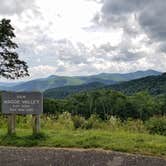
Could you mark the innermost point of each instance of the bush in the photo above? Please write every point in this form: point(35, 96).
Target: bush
point(65, 120)
point(134, 125)
point(3, 121)
point(78, 121)
point(94, 122)
point(24, 121)
point(114, 122)
point(156, 125)
point(47, 121)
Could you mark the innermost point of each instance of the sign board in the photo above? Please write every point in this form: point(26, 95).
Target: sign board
point(22, 103)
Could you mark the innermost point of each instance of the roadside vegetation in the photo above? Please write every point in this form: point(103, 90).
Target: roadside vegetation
point(133, 136)
point(96, 119)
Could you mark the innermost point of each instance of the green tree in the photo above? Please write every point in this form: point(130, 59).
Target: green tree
point(162, 104)
point(11, 66)
point(145, 105)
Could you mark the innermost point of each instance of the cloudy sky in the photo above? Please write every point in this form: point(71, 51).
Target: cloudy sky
point(84, 37)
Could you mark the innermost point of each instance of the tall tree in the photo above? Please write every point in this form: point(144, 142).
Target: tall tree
point(11, 67)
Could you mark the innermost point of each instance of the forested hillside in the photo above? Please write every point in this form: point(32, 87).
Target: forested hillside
point(154, 85)
point(65, 91)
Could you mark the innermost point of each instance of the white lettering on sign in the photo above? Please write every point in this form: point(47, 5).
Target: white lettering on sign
point(12, 101)
point(12, 109)
point(30, 101)
point(21, 97)
point(21, 101)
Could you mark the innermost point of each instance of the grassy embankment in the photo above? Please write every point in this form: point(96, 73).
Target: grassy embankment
point(130, 137)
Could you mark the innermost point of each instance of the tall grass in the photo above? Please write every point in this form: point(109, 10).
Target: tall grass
point(68, 122)
point(75, 131)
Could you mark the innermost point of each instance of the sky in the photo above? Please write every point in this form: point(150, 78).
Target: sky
point(86, 37)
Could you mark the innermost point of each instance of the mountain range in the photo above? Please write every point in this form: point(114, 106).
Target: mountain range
point(55, 81)
point(154, 85)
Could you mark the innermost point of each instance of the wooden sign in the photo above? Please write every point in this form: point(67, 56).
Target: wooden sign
point(22, 103)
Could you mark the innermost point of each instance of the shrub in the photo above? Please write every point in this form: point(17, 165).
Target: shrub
point(65, 120)
point(93, 122)
point(3, 121)
point(23, 121)
point(157, 125)
point(114, 122)
point(134, 125)
point(47, 121)
point(78, 121)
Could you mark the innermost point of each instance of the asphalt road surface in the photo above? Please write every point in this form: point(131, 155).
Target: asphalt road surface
point(72, 157)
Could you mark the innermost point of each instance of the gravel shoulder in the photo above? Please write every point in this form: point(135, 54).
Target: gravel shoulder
point(11, 156)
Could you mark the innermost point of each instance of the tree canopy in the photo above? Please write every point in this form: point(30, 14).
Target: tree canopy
point(11, 67)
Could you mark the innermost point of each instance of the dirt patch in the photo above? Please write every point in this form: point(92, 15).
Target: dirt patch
point(72, 157)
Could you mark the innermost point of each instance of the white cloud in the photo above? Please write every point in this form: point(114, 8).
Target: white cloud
point(11, 7)
point(80, 37)
point(42, 71)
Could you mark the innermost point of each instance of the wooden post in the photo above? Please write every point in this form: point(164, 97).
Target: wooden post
point(36, 124)
point(11, 124)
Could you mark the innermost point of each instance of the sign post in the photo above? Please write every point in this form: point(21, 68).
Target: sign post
point(36, 123)
point(22, 103)
point(11, 124)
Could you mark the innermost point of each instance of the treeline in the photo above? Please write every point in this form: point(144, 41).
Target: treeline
point(107, 103)
point(154, 85)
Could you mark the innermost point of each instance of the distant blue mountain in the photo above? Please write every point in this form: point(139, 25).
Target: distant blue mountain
point(8, 85)
point(55, 81)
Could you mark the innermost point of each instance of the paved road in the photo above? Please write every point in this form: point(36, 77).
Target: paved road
point(72, 157)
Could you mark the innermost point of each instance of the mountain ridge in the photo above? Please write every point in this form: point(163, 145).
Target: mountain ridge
point(55, 81)
point(154, 85)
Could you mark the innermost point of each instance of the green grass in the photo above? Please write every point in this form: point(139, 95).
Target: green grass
point(130, 136)
point(113, 140)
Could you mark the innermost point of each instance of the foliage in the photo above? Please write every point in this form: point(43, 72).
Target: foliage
point(10, 64)
point(114, 123)
point(51, 106)
point(157, 125)
point(65, 120)
point(127, 136)
point(3, 121)
point(134, 126)
point(94, 122)
point(107, 103)
point(24, 121)
point(62, 92)
point(110, 103)
point(154, 85)
point(144, 105)
point(78, 121)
